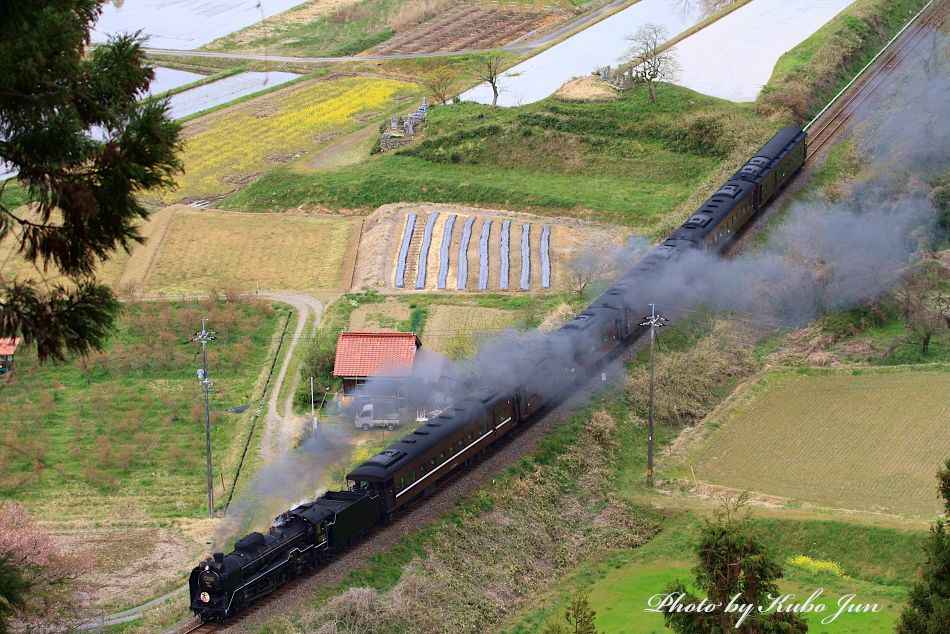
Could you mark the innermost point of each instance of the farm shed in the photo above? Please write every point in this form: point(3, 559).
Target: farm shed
point(7, 351)
point(386, 357)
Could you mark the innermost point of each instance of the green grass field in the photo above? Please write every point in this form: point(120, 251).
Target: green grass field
point(625, 161)
point(878, 563)
point(118, 436)
point(808, 75)
point(857, 440)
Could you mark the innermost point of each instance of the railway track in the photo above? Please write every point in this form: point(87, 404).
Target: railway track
point(927, 22)
point(836, 114)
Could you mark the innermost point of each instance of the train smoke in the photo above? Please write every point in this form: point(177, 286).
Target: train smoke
point(823, 256)
point(284, 480)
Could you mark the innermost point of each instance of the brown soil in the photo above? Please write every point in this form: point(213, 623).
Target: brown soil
point(383, 231)
point(468, 27)
point(282, 157)
point(586, 89)
point(164, 553)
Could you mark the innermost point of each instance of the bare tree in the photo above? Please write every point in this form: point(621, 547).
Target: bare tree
point(705, 8)
point(924, 300)
point(588, 264)
point(488, 71)
point(649, 61)
point(439, 82)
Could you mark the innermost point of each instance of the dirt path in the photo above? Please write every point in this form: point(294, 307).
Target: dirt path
point(349, 150)
point(281, 426)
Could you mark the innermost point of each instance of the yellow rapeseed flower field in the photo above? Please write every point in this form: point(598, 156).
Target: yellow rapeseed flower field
point(817, 565)
point(228, 149)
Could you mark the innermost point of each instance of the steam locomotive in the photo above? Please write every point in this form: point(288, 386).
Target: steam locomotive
point(412, 467)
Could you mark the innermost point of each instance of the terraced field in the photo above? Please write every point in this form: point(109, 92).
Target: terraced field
point(317, 252)
point(235, 146)
point(868, 442)
point(450, 248)
point(470, 26)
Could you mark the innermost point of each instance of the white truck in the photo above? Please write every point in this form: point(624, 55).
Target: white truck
point(371, 417)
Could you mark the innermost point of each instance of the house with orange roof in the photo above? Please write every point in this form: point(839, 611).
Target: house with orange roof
point(385, 357)
point(7, 351)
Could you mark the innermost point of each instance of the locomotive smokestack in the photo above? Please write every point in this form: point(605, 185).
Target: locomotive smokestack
point(219, 557)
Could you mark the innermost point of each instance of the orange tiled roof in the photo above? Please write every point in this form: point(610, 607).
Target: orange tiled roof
point(375, 353)
point(8, 346)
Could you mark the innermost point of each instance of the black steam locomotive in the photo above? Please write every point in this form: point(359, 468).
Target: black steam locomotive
point(412, 466)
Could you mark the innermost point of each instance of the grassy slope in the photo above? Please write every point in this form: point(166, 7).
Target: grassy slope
point(121, 432)
point(879, 561)
point(625, 161)
point(806, 77)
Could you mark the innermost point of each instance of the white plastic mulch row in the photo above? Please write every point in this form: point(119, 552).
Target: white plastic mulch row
point(545, 256)
point(424, 251)
point(224, 90)
point(168, 78)
point(184, 24)
point(463, 253)
point(732, 58)
point(503, 253)
point(444, 251)
point(525, 257)
point(483, 256)
point(404, 251)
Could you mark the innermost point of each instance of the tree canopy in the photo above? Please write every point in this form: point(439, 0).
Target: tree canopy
point(734, 565)
point(83, 145)
point(928, 604)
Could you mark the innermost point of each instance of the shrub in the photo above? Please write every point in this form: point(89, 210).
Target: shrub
point(685, 381)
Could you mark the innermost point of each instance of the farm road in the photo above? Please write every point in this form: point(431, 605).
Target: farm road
point(580, 23)
point(279, 427)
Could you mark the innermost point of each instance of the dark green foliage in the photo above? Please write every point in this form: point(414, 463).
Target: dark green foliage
point(83, 147)
point(928, 605)
point(733, 560)
point(13, 589)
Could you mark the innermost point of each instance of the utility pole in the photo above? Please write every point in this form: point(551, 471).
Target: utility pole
point(313, 415)
point(654, 321)
point(204, 337)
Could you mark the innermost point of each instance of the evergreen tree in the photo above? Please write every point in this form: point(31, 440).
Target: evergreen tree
point(928, 604)
point(733, 561)
point(83, 146)
point(578, 619)
point(13, 589)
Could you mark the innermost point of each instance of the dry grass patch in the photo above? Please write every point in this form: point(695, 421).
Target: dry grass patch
point(382, 316)
point(586, 89)
point(452, 330)
point(867, 442)
point(203, 249)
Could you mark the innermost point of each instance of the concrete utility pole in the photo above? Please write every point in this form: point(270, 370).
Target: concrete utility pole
point(313, 415)
point(204, 337)
point(654, 321)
